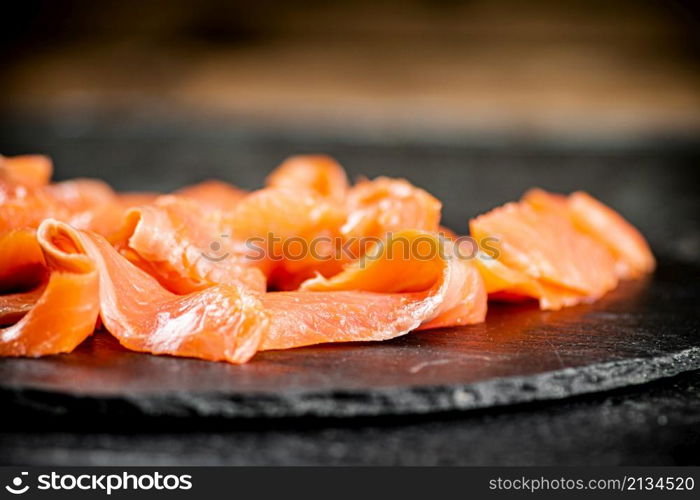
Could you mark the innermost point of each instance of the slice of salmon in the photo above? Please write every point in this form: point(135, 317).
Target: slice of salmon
point(25, 206)
point(179, 242)
point(26, 170)
point(309, 221)
point(541, 254)
point(410, 261)
point(633, 257)
point(218, 323)
point(292, 234)
point(93, 205)
point(318, 174)
point(28, 198)
point(510, 285)
point(60, 315)
point(283, 213)
point(381, 297)
point(213, 194)
point(90, 204)
point(465, 301)
point(382, 205)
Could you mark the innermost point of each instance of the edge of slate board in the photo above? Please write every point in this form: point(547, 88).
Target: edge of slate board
point(551, 385)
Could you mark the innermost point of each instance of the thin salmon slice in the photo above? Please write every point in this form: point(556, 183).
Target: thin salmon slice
point(25, 206)
point(633, 257)
point(26, 170)
point(63, 313)
point(22, 260)
point(541, 254)
point(213, 194)
point(218, 323)
point(562, 250)
point(14, 306)
point(292, 233)
point(318, 174)
point(412, 261)
point(382, 205)
point(381, 297)
point(28, 198)
point(173, 240)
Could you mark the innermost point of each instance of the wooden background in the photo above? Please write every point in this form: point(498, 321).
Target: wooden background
point(574, 70)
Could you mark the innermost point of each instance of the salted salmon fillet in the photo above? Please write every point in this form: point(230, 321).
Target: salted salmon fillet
point(560, 250)
point(218, 273)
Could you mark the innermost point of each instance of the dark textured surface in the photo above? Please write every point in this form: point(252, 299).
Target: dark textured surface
point(657, 424)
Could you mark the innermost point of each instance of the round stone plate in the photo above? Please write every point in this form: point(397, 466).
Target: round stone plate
point(641, 332)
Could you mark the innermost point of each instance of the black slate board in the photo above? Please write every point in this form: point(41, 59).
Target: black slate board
point(641, 332)
point(637, 334)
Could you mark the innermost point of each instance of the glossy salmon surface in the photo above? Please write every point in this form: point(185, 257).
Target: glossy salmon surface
point(560, 250)
point(218, 273)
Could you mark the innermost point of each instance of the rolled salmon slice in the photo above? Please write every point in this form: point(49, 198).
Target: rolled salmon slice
point(387, 294)
point(55, 318)
point(218, 323)
point(416, 261)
